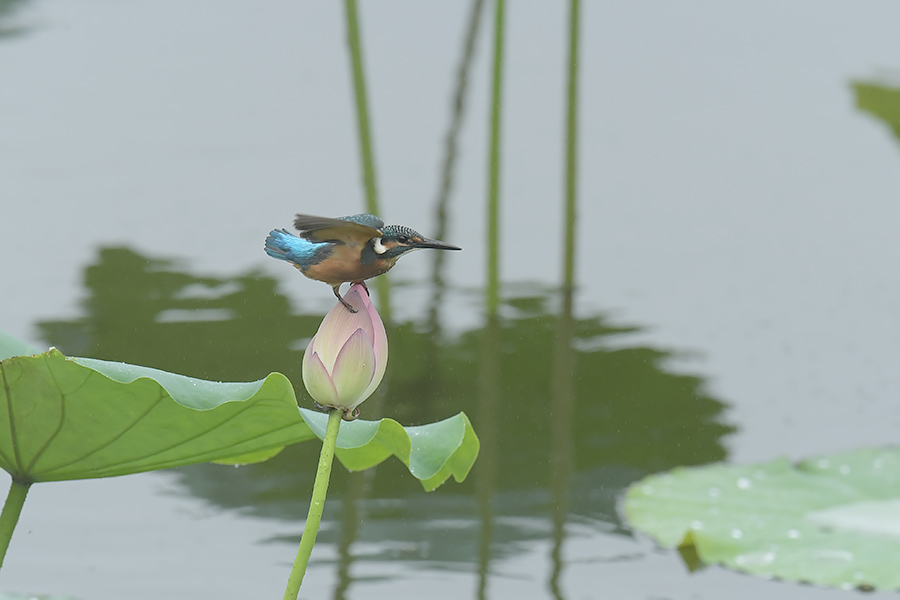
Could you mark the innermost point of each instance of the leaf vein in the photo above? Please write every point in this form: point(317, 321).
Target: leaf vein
point(12, 421)
point(59, 425)
point(211, 453)
point(163, 395)
point(112, 440)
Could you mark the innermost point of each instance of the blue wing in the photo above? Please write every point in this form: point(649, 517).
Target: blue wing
point(355, 230)
point(365, 220)
point(284, 245)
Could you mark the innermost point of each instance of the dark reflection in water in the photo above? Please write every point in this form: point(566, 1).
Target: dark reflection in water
point(569, 436)
point(146, 311)
point(9, 10)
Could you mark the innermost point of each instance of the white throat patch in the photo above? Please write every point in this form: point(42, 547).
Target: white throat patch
point(378, 246)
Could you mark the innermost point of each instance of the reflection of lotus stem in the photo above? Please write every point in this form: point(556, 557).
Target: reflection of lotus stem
point(10, 516)
point(316, 505)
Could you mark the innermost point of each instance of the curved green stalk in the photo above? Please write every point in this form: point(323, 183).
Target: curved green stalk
point(442, 204)
point(9, 518)
point(316, 505)
point(367, 155)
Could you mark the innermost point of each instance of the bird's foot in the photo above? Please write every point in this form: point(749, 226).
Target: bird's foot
point(347, 305)
point(337, 294)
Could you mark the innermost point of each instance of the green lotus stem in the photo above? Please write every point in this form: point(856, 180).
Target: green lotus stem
point(362, 107)
point(571, 149)
point(9, 518)
point(493, 217)
point(316, 505)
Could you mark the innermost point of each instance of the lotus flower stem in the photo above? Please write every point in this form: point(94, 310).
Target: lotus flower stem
point(9, 518)
point(316, 505)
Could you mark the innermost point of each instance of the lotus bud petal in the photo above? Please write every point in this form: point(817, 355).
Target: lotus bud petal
point(346, 359)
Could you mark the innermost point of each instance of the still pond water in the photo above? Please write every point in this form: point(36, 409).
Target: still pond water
point(736, 255)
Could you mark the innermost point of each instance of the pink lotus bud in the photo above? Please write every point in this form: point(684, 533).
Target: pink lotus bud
point(346, 359)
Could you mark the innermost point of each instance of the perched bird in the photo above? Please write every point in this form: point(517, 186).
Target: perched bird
point(347, 249)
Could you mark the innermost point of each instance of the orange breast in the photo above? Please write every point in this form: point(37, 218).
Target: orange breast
point(343, 266)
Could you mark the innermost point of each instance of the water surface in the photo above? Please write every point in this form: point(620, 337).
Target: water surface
point(735, 251)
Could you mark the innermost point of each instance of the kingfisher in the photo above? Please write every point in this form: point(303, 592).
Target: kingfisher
point(346, 249)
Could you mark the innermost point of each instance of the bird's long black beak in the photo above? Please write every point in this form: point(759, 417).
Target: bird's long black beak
point(437, 244)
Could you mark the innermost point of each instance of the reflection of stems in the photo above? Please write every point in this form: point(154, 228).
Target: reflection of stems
point(562, 451)
point(365, 137)
point(357, 487)
point(490, 396)
point(316, 505)
point(562, 447)
point(493, 266)
point(10, 516)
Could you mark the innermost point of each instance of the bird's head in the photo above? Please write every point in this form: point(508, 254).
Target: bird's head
point(397, 240)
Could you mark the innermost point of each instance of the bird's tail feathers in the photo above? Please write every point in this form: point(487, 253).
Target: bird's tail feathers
point(277, 244)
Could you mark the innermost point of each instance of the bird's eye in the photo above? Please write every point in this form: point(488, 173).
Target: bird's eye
point(403, 239)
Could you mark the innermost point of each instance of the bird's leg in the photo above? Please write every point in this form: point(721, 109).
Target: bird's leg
point(365, 287)
point(337, 293)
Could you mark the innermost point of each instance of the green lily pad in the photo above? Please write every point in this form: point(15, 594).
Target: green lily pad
point(432, 452)
point(76, 418)
point(831, 521)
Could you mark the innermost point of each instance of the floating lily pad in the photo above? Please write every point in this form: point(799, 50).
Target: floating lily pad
point(76, 418)
point(831, 521)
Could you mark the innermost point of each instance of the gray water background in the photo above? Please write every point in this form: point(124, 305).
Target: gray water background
point(733, 203)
